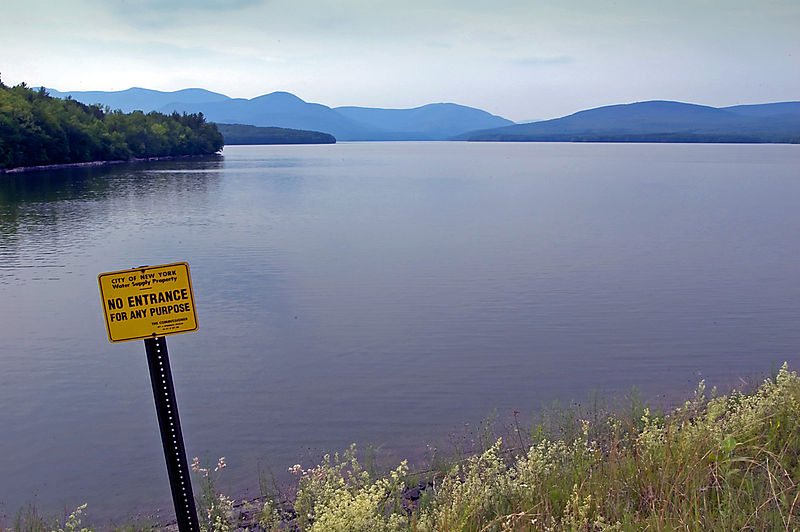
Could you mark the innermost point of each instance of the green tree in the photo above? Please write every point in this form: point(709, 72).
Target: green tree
point(36, 129)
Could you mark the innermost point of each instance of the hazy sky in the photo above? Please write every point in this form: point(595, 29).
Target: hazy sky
point(519, 59)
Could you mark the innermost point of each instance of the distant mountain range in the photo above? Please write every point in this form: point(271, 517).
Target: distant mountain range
point(439, 121)
point(651, 121)
point(660, 121)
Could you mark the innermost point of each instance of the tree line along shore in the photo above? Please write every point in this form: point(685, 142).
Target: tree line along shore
point(39, 130)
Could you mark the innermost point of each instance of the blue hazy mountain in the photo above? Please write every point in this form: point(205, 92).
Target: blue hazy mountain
point(660, 121)
point(766, 109)
point(430, 122)
point(143, 99)
point(285, 110)
point(280, 109)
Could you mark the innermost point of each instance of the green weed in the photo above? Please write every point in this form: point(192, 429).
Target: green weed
point(718, 462)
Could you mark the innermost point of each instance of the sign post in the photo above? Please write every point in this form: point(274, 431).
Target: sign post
point(171, 436)
point(148, 303)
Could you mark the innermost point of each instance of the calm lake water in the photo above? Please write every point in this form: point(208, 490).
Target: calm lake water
point(380, 293)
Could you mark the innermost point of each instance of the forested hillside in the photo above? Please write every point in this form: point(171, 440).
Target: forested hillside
point(244, 134)
point(36, 129)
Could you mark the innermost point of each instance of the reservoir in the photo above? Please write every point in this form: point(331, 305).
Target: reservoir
point(388, 294)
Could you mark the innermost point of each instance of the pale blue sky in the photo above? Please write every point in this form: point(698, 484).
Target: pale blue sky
point(519, 59)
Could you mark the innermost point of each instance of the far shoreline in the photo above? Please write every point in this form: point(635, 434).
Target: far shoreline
point(98, 164)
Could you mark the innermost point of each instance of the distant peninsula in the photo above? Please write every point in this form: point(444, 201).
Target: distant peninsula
point(39, 130)
point(245, 134)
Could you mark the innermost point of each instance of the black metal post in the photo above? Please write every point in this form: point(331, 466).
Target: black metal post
point(171, 435)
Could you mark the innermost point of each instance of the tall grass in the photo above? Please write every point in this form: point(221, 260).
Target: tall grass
point(718, 463)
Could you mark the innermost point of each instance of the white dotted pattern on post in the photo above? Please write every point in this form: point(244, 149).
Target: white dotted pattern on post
point(171, 420)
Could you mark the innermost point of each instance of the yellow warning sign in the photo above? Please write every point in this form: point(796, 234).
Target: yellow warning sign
point(147, 302)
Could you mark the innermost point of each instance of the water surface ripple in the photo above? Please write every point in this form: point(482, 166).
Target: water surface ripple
point(380, 293)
